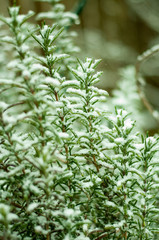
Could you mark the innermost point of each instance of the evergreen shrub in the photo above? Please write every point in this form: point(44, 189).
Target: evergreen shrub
point(69, 169)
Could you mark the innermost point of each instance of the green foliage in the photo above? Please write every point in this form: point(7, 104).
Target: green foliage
point(68, 168)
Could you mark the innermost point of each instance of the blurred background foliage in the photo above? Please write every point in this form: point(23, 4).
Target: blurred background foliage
point(117, 31)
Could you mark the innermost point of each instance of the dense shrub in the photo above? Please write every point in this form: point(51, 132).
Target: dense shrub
point(69, 169)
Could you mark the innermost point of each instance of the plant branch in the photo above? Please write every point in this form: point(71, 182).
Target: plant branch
point(142, 58)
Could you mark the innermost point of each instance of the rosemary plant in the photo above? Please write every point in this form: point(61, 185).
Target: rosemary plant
point(68, 168)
